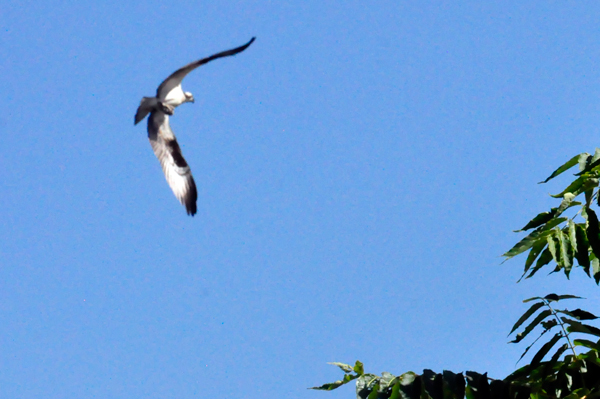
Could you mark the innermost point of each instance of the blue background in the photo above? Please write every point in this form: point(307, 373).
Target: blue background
point(360, 171)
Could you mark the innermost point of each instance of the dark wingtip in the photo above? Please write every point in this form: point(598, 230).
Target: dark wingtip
point(245, 46)
point(251, 41)
point(191, 198)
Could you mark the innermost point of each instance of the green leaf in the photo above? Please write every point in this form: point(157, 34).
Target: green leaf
point(582, 246)
point(556, 298)
point(359, 368)
point(572, 233)
point(477, 386)
point(545, 217)
point(541, 316)
point(346, 368)
point(410, 386)
point(396, 391)
point(554, 246)
point(566, 203)
point(575, 186)
point(386, 380)
point(587, 162)
point(539, 219)
point(550, 364)
point(547, 326)
point(533, 237)
point(499, 390)
point(563, 168)
point(579, 314)
point(566, 252)
point(535, 298)
point(534, 308)
point(545, 258)
point(596, 269)
point(454, 385)
point(575, 326)
point(552, 297)
point(433, 384)
point(592, 231)
point(544, 350)
point(374, 392)
point(536, 249)
point(365, 384)
point(586, 343)
point(584, 160)
point(331, 386)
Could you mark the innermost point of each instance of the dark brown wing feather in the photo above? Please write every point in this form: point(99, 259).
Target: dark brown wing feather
point(176, 77)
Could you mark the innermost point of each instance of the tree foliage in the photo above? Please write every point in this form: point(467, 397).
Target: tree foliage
point(567, 361)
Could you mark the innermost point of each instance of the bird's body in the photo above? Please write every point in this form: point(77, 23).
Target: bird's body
point(169, 96)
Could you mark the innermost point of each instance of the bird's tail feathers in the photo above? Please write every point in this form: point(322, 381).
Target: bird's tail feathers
point(146, 106)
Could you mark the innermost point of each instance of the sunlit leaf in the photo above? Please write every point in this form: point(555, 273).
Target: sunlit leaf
point(554, 247)
point(576, 185)
point(410, 386)
point(346, 368)
point(584, 160)
point(581, 184)
point(572, 233)
point(587, 162)
point(359, 368)
point(596, 269)
point(365, 384)
point(533, 237)
point(566, 252)
point(395, 391)
point(586, 343)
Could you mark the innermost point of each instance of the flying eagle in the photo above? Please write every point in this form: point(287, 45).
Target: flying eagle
point(170, 95)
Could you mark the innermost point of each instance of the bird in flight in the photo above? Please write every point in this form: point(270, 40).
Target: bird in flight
point(169, 96)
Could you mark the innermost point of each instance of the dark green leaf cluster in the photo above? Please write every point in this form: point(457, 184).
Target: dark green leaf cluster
point(559, 238)
point(547, 374)
point(429, 385)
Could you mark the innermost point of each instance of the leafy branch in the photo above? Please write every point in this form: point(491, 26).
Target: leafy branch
point(563, 374)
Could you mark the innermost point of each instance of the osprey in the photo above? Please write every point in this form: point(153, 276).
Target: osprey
point(170, 95)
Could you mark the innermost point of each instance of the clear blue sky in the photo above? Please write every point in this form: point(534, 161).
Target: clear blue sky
point(360, 171)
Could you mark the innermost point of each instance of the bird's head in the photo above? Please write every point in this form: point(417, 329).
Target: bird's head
point(189, 98)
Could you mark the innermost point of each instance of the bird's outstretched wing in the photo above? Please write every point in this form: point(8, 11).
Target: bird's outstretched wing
point(176, 77)
point(177, 172)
